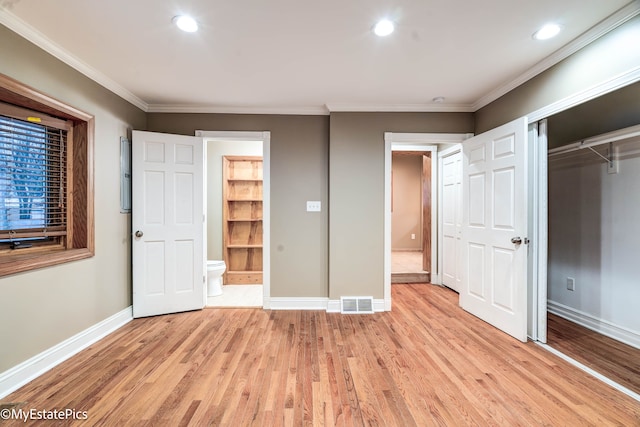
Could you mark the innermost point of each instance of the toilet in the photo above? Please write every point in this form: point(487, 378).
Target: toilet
point(214, 277)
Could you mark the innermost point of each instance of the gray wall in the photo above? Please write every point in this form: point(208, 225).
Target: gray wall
point(39, 309)
point(299, 172)
point(356, 186)
point(406, 203)
point(611, 55)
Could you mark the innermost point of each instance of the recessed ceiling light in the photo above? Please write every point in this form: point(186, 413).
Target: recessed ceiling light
point(383, 28)
point(186, 23)
point(547, 32)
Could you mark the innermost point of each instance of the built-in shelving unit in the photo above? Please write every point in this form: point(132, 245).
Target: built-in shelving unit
point(242, 219)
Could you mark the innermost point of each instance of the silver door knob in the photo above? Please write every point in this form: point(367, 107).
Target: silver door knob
point(139, 233)
point(516, 240)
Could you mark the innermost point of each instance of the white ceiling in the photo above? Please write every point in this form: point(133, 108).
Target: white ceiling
point(302, 56)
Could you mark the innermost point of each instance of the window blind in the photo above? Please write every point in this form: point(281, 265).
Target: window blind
point(32, 180)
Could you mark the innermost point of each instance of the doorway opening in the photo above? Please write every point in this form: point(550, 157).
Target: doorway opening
point(238, 232)
point(425, 143)
point(411, 217)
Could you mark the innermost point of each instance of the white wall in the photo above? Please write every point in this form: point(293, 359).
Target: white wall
point(593, 235)
point(215, 151)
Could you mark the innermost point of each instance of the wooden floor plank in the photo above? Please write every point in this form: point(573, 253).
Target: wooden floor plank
point(611, 358)
point(427, 362)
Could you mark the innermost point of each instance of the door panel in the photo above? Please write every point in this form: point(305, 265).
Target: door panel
point(167, 223)
point(495, 211)
point(451, 220)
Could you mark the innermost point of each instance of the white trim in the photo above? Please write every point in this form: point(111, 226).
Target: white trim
point(399, 108)
point(188, 108)
point(612, 22)
point(431, 138)
point(265, 138)
point(318, 303)
point(590, 371)
point(617, 82)
point(299, 303)
point(386, 286)
point(540, 226)
point(14, 378)
point(601, 326)
point(23, 29)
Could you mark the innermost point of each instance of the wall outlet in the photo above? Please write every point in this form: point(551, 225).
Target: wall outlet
point(413, 236)
point(314, 206)
point(571, 283)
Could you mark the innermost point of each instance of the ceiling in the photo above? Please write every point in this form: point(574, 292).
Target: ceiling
point(310, 57)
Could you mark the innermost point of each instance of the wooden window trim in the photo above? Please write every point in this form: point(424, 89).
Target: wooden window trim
point(80, 242)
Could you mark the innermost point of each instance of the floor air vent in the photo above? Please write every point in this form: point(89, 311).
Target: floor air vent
point(356, 305)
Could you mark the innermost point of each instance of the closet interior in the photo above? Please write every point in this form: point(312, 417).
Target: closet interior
point(593, 256)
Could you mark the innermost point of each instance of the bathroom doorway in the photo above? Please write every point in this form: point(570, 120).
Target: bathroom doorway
point(218, 146)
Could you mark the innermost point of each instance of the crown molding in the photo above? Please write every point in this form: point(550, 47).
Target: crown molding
point(192, 108)
point(21, 28)
point(400, 108)
point(620, 17)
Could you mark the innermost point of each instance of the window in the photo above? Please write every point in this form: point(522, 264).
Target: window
point(46, 180)
point(32, 179)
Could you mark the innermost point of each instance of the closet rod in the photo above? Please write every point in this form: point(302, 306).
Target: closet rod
point(605, 138)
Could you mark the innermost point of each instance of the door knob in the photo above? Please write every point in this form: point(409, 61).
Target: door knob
point(516, 240)
point(139, 233)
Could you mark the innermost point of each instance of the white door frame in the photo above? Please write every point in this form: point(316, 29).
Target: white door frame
point(265, 138)
point(394, 141)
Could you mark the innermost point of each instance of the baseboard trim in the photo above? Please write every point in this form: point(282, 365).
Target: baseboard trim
point(294, 303)
point(21, 374)
point(589, 321)
point(330, 306)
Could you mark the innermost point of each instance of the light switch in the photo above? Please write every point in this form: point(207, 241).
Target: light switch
point(314, 206)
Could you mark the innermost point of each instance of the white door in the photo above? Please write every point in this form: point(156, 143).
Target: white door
point(451, 220)
point(494, 223)
point(169, 263)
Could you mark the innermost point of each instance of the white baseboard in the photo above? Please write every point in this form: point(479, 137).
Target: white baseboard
point(331, 306)
point(589, 321)
point(294, 303)
point(21, 374)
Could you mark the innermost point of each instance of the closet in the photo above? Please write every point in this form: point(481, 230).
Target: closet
point(593, 270)
point(242, 219)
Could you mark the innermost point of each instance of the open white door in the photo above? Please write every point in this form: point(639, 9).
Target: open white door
point(169, 263)
point(451, 217)
point(494, 227)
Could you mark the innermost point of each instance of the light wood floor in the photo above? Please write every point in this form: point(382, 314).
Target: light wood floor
point(613, 359)
point(424, 363)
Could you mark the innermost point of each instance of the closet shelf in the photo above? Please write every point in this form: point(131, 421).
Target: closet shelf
point(245, 246)
point(243, 219)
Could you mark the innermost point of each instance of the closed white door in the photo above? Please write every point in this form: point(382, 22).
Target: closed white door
point(451, 220)
point(494, 223)
point(169, 263)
